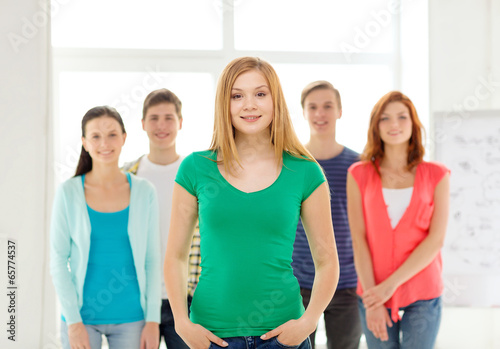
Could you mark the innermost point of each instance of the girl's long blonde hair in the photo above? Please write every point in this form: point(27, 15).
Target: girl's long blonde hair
point(283, 135)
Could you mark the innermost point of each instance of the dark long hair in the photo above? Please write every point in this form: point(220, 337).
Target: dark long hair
point(85, 162)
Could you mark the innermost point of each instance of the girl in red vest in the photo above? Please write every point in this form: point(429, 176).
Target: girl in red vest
point(398, 209)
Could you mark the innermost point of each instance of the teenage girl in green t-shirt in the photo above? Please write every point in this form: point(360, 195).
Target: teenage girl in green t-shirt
point(255, 172)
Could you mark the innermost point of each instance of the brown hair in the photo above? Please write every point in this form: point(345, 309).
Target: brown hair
point(374, 149)
point(319, 85)
point(85, 161)
point(162, 96)
point(283, 136)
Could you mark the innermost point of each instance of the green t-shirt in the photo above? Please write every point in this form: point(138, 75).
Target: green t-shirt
point(247, 286)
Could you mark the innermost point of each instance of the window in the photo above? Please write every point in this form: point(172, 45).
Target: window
point(147, 24)
point(116, 52)
point(313, 26)
point(126, 91)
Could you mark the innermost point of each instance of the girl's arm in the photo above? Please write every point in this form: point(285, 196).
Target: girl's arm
point(362, 255)
point(151, 331)
point(423, 254)
point(377, 319)
point(317, 221)
point(60, 251)
point(182, 224)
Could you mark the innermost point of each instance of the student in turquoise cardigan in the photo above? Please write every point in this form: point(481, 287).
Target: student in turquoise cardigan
point(104, 239)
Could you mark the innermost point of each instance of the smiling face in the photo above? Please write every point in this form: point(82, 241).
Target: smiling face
point(395, 125)
point(251, 104)
point(103, 139)
point(162, 123)
point(322, 111)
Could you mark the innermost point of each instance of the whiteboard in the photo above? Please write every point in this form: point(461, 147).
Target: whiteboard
point(469, 145)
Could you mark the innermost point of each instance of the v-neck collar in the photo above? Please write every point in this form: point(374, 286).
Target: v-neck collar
point(244, 193)
point(412, 199)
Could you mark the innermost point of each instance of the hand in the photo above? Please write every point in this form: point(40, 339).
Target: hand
point(150, 337)
point(377, 296)
point(292, 332)
point(196, 336)
point(78, 336)
point(377, 321)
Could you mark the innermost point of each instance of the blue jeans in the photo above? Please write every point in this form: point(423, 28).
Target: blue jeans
point(257, 343)
point(119, 336)
point(167, 327)
point(417, 329)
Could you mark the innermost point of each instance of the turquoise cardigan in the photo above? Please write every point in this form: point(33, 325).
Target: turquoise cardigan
point(70, 243)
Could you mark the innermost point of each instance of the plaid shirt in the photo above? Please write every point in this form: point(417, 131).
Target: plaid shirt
point(194, 269)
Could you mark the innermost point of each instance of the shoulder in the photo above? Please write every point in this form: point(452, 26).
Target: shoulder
point(132, 166)
point(200, 155)
point(69, 194)
point(70, 186)
point(204, 154)
point(363, 173)
point(296, 163)
point(71, 182)
point(360, 166)
point(350, 154)
point(434, 166)
point(196, 162)
point(303, 174)
point(141, 183)
point(297, 159)
point(198, 158)
point(434, 170)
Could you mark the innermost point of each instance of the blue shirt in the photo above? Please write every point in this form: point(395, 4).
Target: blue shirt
point(111, 292)
point(70, 246)
point(303, 265)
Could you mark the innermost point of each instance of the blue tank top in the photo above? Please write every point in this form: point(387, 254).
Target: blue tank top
point(111, 292)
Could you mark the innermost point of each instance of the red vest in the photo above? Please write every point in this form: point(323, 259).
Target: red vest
point(390, 247)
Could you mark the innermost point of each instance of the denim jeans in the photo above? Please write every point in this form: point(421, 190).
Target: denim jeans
point(119, 336)
point(167, 327)
point(417, 329)
point(342, 323)
point(257, 343)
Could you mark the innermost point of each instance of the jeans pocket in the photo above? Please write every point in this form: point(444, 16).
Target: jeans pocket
point(281, 345)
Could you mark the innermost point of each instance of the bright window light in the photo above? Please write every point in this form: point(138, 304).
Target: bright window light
point(314, 25)
point(360, 87)
point(126, 91)
point(146, 24)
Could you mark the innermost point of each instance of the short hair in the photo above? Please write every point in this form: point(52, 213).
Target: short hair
point(162, 96)
point(374, 149)
point(319, 85)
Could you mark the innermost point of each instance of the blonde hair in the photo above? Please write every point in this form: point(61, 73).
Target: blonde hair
point(282, 133)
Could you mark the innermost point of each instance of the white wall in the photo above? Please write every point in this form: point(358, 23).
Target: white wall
point(464, 63)
point(23, 179)
point(464, 51)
